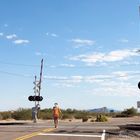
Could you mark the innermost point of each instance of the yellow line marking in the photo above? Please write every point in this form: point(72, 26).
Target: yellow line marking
point(27, 136)
point(34, 134)
point(48, 130)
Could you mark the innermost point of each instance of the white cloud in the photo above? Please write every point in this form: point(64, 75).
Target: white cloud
point(5, 25)
point(54, 35)
point(116, 89)
point(47, 34)
point(82, 42)
point(125, 91)
point(63, 85)
point(67, 65)
point(51, 34)
point(113, 84)
point(121, 75)
point(12, 36)
point(38, 53)
point(76, 79)
point(1, 34)
point(119, 55)
point(56, 77)
point(106, 80)
point(21, 41)
point(112, 56)
point(124, 40)
point(86, 79)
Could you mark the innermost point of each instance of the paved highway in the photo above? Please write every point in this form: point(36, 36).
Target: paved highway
point(45, 129)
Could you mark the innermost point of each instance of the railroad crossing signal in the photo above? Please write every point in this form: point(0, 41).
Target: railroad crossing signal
point(36, 97)
point(37, 88)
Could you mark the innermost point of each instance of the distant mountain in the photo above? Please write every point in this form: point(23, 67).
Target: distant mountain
point(102, 110)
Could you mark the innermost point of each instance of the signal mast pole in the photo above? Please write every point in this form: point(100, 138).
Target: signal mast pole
point(40, 77)
point(35, 89)
point(40, 80)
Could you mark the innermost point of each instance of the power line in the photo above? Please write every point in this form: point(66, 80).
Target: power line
point(16, 64)
point(55, 78)
point(63, 66)
point(16, 74)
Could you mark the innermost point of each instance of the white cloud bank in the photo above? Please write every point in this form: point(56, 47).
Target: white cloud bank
point(124, 90)
point(112, 56)
point(117, 75)
point(113, 84)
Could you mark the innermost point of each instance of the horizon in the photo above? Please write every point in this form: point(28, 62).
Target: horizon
point(67, 108)
point(90, 49)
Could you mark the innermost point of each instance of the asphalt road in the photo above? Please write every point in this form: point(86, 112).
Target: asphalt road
point(45, 129)
point(67, 130)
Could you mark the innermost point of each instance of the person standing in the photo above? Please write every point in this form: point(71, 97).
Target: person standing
point(56, 114)
point(35, 113)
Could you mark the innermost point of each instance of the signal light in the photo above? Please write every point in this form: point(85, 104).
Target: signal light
point(38, 98)
point(139, 85)
point(31, 98)
point(35, 98)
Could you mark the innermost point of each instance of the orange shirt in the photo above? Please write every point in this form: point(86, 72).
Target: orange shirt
point(56, 111)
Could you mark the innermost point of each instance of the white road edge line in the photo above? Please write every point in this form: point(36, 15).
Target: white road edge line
point(69, 135)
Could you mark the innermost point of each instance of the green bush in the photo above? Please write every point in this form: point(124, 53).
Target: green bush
point(101, 118)
point(92, 120)
point(128, 113)
point(66, 116)
point(85, 119)
point(78, 116)
point(6, 115)
point(26, 114)
point(45, 114)
point(22, 114)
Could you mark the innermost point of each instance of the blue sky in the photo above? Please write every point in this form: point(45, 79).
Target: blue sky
point(91, 52)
